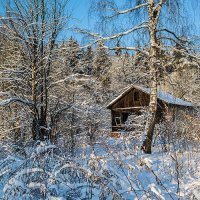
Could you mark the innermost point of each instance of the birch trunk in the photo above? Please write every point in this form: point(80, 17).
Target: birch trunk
point(154, 13)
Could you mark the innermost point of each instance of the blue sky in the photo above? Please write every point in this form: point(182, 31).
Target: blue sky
point(79, 10)
point(81, 19)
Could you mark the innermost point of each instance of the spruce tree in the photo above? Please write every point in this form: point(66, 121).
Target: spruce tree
point(72, 55)
point(102, 64)
point(87, 61)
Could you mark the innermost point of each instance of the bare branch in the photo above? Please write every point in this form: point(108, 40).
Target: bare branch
point(135, 28)
point(129, 49)
point(172, 33)
point(15, 99)
point(117, 12)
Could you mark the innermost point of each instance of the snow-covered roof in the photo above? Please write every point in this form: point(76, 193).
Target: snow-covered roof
point(164, 96)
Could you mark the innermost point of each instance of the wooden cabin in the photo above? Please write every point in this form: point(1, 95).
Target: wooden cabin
point(135, 98)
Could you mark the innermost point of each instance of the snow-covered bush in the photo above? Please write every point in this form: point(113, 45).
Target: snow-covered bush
point(109, 169)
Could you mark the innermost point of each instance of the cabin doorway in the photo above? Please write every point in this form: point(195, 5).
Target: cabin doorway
point(124, 117)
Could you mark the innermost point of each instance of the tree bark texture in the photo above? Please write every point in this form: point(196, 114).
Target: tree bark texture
point(154, 12)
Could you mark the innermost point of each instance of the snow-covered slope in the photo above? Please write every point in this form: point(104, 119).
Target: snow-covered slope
point(110, 169)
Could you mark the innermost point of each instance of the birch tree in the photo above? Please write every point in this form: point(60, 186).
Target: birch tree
point(151, 20)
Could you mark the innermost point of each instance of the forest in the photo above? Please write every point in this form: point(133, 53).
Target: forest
point(104, 110)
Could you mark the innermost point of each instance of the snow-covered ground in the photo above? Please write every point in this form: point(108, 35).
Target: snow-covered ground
point(109, 169)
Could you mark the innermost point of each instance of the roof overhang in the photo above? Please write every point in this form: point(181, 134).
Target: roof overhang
point(161, 95)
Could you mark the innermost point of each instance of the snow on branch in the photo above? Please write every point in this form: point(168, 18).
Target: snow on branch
point(15, 99)
point(135, 28)
point(113, 48)
point(129, 49)
point(117, 12)
point(112, 37)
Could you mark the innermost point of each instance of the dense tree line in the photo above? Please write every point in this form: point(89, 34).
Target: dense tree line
point(54, 126)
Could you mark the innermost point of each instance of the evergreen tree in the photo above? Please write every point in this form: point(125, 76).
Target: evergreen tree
point(87, 61)
point(72, 55)
point(102, 64)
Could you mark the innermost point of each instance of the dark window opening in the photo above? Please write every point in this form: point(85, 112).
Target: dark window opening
point(124, 117)
point(136, 96)
point(118, 120)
